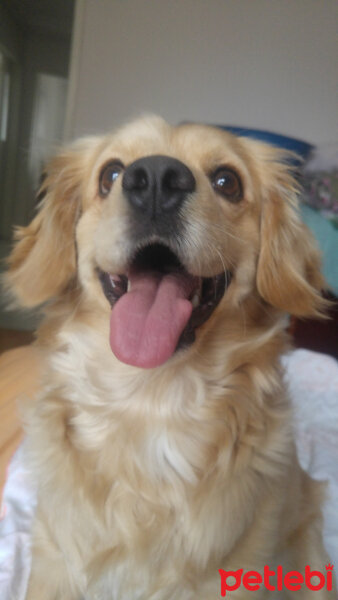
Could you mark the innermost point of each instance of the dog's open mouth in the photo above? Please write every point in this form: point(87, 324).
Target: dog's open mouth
point(157, 306)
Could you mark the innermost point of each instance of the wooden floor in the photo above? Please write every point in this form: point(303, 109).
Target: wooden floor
point(10, 338)
point(19, 368)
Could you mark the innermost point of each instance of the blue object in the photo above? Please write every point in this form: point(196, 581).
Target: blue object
point(300, 147)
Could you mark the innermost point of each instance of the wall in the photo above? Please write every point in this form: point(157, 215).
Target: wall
point(262, 63)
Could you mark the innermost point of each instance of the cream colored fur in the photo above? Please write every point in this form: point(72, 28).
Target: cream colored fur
point(149, 481)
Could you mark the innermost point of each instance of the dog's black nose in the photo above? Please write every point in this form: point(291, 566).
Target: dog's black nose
point(155, 185)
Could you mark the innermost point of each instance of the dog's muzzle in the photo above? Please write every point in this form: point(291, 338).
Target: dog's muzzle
point(157, 305)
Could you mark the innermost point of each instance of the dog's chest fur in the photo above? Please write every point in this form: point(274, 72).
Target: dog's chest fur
point(155, 453)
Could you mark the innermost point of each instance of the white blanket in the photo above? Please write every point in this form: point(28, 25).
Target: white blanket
point(313, 382)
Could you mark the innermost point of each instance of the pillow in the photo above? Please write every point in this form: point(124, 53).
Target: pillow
point(300, 147)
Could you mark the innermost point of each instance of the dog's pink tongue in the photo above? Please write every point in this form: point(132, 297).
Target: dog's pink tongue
point(146, 323)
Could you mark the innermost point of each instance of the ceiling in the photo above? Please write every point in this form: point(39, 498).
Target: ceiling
point(51, 17)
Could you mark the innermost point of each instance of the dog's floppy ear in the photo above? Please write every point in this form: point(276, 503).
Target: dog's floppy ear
point(43, 260)
point(288, 274)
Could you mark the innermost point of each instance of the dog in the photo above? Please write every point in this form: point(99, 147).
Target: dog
point(166, 260)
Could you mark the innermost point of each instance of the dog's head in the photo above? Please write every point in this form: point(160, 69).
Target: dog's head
point(166, 228)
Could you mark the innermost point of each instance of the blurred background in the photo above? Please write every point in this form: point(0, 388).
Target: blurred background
point(69, 68)
point(35, 49)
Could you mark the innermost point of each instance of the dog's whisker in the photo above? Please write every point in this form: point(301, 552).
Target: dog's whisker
point(225, 231)
point(221, 259)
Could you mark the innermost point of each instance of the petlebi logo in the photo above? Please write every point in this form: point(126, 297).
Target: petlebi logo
point(276, 580)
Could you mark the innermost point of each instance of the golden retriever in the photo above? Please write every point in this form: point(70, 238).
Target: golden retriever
point(166, 259)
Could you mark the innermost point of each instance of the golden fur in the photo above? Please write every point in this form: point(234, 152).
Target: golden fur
point(150, 480)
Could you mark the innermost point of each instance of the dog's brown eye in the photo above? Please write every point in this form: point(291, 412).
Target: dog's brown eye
point(108, 176)
point(227, 183)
